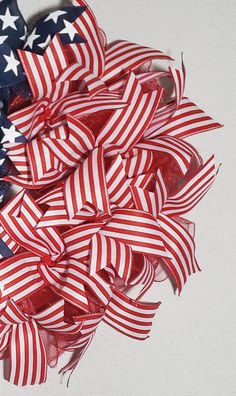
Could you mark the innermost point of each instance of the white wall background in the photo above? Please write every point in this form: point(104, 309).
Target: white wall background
point(192, 347)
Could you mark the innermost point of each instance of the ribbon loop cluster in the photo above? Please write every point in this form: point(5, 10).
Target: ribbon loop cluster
point(104, 176)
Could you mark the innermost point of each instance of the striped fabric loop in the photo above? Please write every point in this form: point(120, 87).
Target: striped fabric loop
point(148, 201)
point(58, 148)
point(19, 219)
point(118, 184)
point(29, 274)
point(91, 55)
point(148, 77)
point(30, 121)
point(181, 249)
point(47, 158)
point(175, 148)
point(186, 121)
point(123, 56)
point(60, 279)
point(127, 126)
point(167, 112)
point(107, 252)
point(137, 229)
point(144, 279)
point(57, 215)
point(42, 70)
point(130, 317)
point(78, 240)
point(76, 72)
point(192, 191)
point(88, 184)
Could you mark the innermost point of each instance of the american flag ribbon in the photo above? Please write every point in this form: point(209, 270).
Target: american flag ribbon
point(104, 172)
point(13, 26)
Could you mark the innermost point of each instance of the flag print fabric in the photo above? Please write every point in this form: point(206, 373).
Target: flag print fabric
point(102, 176)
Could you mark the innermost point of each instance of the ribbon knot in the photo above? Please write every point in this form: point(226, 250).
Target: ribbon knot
point(47, 261)
point(46, 116)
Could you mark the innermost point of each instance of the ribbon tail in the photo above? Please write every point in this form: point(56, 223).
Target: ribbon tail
point(28, 363)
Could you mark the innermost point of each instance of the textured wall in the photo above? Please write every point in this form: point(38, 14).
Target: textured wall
point(192, 347)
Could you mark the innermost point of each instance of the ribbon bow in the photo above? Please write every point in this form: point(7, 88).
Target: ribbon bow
point(24, 338)
point(46, 261)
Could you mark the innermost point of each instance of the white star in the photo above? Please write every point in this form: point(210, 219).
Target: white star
point(55, 15)
point(3, 39)
point(8, 20)
point(10, 134)
point(12, 63)
point(1, 196)
point(24, 35)
point(31, 38)
point(69, 29)
point(46, 42)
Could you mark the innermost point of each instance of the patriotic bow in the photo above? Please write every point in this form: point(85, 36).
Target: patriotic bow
point(44, 266)
point(24, 339)
point(46, 261)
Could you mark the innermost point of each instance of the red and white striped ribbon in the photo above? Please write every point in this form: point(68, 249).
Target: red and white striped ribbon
point(192, 191)
point(57, 215)
point(107, 252)
point(181, 248)
point(147, 79)
point(31, 120)
point(123, 56)
point(87, 184)
point(137, 229)
point(186, 121)
point(19, 219)
point(126, 127)
point(76, 72)
point(138, 162)
point(42, 70)
point(118, 185)
point(144, 278)
point(78, 239)
point(132, 318)
point(174, 147)
point(27, 355)
point(148, 201)
point(90, 54)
